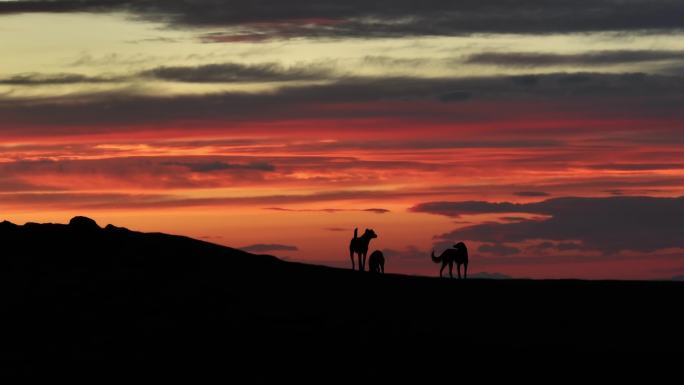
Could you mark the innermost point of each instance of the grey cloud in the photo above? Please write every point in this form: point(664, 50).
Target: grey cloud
point(564, 246)
point(384, 18)
point(456, 209)
point(455, 96)
point(608, 94)
point(388, 61)
point(596, 58)
point(237, 73)
point(608, 224)
point(33, 79)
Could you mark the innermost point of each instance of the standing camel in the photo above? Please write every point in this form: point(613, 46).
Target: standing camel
point(459, 255)
point(359, 245)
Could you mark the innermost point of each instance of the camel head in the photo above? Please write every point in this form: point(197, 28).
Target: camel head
point(370, 234)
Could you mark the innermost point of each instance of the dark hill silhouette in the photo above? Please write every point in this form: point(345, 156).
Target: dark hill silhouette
point(103, 302)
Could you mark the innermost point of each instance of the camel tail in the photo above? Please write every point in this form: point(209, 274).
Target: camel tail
point(435, 259)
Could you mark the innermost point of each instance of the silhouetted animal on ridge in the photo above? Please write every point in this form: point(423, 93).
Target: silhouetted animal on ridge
point(376, 262)
point(359, 245)
point(459, 255)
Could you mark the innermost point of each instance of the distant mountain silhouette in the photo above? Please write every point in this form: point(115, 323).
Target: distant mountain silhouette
point(106, 302)
point(487, 275)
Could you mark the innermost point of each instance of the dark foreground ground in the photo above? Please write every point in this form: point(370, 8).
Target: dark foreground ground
point(78, 300)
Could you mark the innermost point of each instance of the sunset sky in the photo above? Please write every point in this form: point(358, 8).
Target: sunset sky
point(546, 135)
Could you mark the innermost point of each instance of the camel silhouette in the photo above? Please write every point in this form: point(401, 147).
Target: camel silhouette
point(458, 254)
point(376, 262)
point(359, 245)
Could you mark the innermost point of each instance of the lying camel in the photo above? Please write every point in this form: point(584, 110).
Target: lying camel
point(376, 262)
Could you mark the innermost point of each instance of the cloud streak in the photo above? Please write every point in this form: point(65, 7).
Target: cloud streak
point(36, 79)
point(609, 225)
point(408, 99)
point(238, 73)
point(385, 18)
point(222, 166)
point(587, 59)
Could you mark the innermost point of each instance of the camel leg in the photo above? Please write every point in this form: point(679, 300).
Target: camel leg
point(351, 255)
point(465, 270)
point(441, 270)
point(363, 262)
point(458, 270)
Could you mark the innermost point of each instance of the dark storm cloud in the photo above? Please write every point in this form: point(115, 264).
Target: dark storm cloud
point(235, 73)
point(599, 58)
point(649, 95)
point(384, 18)
point(605, 224)
point(34, 79)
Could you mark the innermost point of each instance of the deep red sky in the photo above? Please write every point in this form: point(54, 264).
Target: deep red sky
point(282, 129)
